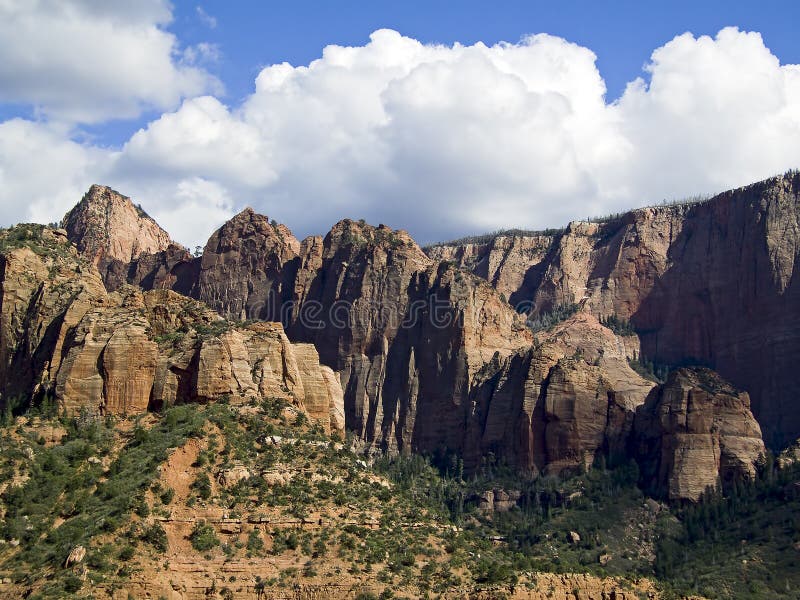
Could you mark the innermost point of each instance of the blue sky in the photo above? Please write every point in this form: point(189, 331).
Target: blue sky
point(441, 118)
point(623, 34)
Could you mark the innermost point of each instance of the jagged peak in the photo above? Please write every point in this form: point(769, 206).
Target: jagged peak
point(106, 225)
point(348, 231)
point(247, 213)
point(248, 223)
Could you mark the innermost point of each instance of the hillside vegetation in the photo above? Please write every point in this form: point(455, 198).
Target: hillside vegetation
point(254, 499)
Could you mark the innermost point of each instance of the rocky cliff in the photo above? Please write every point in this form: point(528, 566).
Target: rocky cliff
point(422, 355)
point(246, 268)
point(508, 261)
point(432, 358)
point(108, 228)
point(64, 337)
point(695, 432)
point(46, 290)
point(408, 335)
point(712, 283)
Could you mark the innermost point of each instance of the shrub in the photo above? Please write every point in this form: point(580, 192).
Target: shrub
point(547, 320)
point(254, 542)
point(203, 537)
point(156, 537)
point(127, 553)
point(72, 583)
point(203, 486)
point(618, 325)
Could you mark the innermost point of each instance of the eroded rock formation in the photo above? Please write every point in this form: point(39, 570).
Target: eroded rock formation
point(63, 335)
point(713, 283)
point(107, 227)
point(695, 432)
point(244, 271)
point(419, 354)
point(559, 404)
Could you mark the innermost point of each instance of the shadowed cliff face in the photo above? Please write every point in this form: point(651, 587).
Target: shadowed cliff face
point(561, 403)
point(712, 283)
point(407, 335)
point(246, 270)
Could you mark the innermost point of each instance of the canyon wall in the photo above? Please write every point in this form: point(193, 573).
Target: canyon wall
point(417, 351)
point(64, 338)
point(712, 283)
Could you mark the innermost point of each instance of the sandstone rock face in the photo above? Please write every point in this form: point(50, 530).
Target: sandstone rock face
point(393, 324)
point(45, 290)
point(129, 365)
point(426, 356)
point(322, 393)
point(110, 364)
point(173, 268)
point(107, 227)
point(429, 357)
point(694, 432)
point(158, 348)
point(63, 335)
point(406, 334)
point(509, 261)
point(245, 270)
point(559, 404)
point(223, 368)
point(498, 500)
point(336, 395)
point(712, 283)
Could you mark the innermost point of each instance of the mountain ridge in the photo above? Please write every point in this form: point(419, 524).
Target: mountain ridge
point(394, 325)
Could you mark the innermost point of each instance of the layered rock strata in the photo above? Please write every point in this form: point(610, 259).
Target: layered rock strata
point(422, 355)
point(62, 335)
point(711, 283)
point(696, 432)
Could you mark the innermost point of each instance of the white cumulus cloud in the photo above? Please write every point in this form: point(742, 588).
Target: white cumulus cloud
point(449, 140)
point(87, 61)
point(42, 173)
point(716, 113)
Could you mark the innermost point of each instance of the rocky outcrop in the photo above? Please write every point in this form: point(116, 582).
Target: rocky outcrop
point(245, 270)
point(63, 335)
point(45, 290)
point(712, 283)
point(508, 261)
point(279, 366)
point(393, 324)
point(409, 336)
point(498, 500)
point(322, 393)
point(173, 269)
point(411, 353)
point(696, 432)
point(428, 356)
point(560, 404)
point(158, 348)
point(109, 230)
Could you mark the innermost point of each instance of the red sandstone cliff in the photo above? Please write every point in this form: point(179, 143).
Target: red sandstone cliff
point(427, 356)
point(713, 282)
